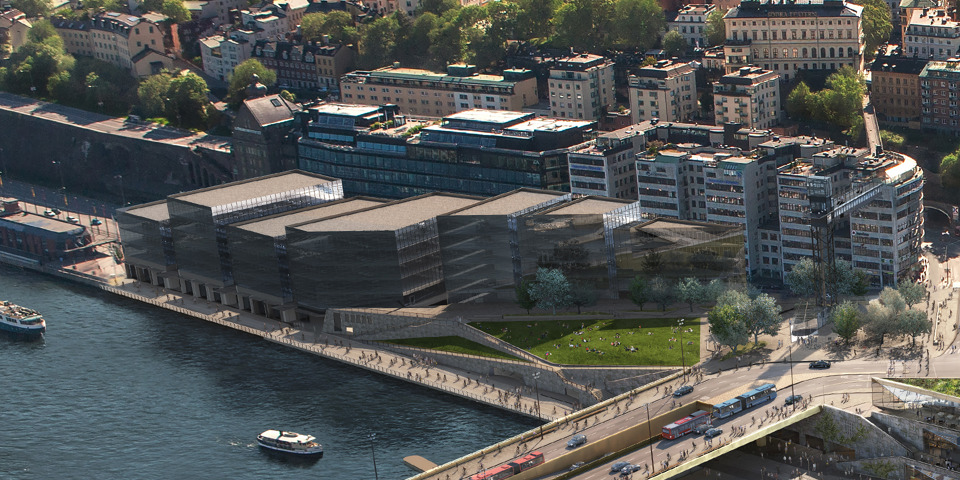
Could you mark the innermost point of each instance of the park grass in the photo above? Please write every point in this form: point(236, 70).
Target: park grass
point(652, 338)
point(453, 344)
point(950, 386)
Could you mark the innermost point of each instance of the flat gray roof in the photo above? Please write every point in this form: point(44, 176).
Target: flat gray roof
point(345, 109)
point(510, 202)
point(152, 211)
point(482, 115)
point(253, 188)
point(44, 223)
point(393, 216)
point(276, 225)
point(589, 206)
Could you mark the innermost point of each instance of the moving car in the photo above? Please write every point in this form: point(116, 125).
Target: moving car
point(793, 399)
point(95, 221)
point(713, 432)
point(616, 467)
point(702, 428)
point(72, 219)
point(576, 466)
point(820, 365)
point(577, 440)
point(682, 391)
point(49, 213)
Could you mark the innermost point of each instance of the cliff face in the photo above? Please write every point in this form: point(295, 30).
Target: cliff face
point(93, 161)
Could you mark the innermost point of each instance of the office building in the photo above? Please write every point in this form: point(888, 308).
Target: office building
point(895, 89)
point(147, 242)
point(426, 93)
point(788, 36)
point(607, 165)
point(581, 87)
point(931, 35)
point(691, 22)
point(750, 97)
point(939, 83)
point(666, 91)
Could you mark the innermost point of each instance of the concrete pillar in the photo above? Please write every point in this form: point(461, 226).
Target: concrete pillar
point(288, 315)
point(195, 285)
point(183, 284)
point(229, 299)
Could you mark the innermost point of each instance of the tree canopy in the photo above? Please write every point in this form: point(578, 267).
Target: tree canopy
point(912, 292)
point(839, 104)
point(726, 326)
point(524, 300)
point(551, 289)
point(242, 76)
point(846, 320)
point(750, 315)
point(339, 26)
point(32, 8)
point(639, 291)
point(877, 25)
point(662, 292)
point(716, 30)
point(674, 44)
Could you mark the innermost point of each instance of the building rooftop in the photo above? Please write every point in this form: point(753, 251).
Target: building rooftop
point(392, 216)
point(898, 64)
point(271, 109)
point(489, 116)
point(510, 202)
point(822, 8)
point(253, 188)
point(748, 76)
point(664, 69)
point(417, 74)
point(544, 124)
point(589, 206)
point(48, 224)
point(931, 18)
point(276, 225)
point(156, 211)
point(918, 4)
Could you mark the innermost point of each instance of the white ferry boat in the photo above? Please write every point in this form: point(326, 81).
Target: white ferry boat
point(295, 444)
point(21, 321)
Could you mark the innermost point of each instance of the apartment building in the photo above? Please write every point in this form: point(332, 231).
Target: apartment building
point(788, 36)
point(222, 53)
point(895, 89)
point(666, 91)
point(939, 84)
point(315, 65)
point(607, 165)
point(14, 27)
point(931, 35)
point(691, 22)
point(425, 93)
point(111, 37)
point(581, 87)
point(750, 97)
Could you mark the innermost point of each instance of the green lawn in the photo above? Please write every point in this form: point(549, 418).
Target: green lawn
point(947, 386)
point(453, 344)
point(592, 342)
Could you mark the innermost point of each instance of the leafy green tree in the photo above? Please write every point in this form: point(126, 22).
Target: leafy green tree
point(712, 290)
point(674, 44)
point(662, 292)
point(41, 31)
point(582, 295)
point(838, 276)
point(727, 326)
point(187, 101)
point(438, 7)
point(175, 10)
point(877, 25)
point(639, 291)
point(846, 320)
point(798, 102)
point(911, 292)
point(414, 48)
point(338, 25)
point(652, 262)
point(524, 299)
point(152, 94)
point(716, 30)
point(761, 316)
point(108, 5)
point(861, 285)
point(913, 323)
point(691, 291)
point(950, 169)
point(242, 76)
point(841, 103)
point(446, 42)
point(534, 18)
point(377, 43)
point(803, 279)
point(33, 8)
point(636, 24)
point(882, 316)
point(583, 24)
point(288, 96)
point(551, 289)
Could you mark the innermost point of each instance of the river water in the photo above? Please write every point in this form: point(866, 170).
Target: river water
point(123, 390)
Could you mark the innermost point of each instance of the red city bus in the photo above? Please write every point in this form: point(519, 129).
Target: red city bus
point(503, 471)
point(527, 461)
point(685, 425)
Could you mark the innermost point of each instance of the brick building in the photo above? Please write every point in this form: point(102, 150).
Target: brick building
point(895, 89)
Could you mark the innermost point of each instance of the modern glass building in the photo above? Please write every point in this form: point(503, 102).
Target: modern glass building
point(479, 245)
point(198, 221)
point(258, 252)
point(147, 242)
point(386, 255)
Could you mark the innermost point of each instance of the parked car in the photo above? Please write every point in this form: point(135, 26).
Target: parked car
point(682, 391)
point(72, 219)
point(699, 429)
point(56, 211)
point(49, 213)
point(820, 365)
point(577, 440)
point(793, 399)
point(616, 467)
point(95, 221)
point(713, 432)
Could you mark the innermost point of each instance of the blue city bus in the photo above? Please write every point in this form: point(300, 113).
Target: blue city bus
point(728, 408)
point(763, 393)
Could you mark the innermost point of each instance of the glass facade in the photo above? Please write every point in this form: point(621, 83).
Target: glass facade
point(259, 264)
point(146, 241)
point(574, 243)
point(478, 261)
point(195, 234)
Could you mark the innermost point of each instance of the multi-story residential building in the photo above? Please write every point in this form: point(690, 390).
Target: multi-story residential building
point(14, 27)
point(478, 152)
point(665, 91)
point(111, 37)
point(789, 36)
point(221, 54)
point(750, 97)
point(691, 22)
point(903, 11)
point(607, 165)
point(895, 89)
point(581, 87)
point(932, 35)
point(426, 93)
point(939, 86)
point(305, 66)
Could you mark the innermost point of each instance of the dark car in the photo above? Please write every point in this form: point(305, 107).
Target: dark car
point(713, 432)
point(793, 399)
point(820, 365)
point(56, 211)
point(95, 221)
point(699, 429)
point(616, 467)
point(682, 391)
point(577, 440)
point(576, 466)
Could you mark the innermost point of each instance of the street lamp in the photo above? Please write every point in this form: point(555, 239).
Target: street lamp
point(63, 187)
point(650, 437)
point(792, 392)
point(373, 438)
point(536, 387)
point(683, 362)
point(123, 196)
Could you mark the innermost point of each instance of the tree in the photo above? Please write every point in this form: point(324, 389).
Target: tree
point(637, 24)
point(524, 299)
point(662, 292)
point(583, 24)
point(913, 323)
point(761, 315)
point(798, 102)
point(187, 101)
point(551, 289)
point(175, 10)
point(842, 101)
point(950, 169)
point(803, 279)
point(690, 291)
point(652, 262)
point(712, 290)
point(674, 44)
point(242, 76)
point(846, 320)
point(152, 94)
point(639, 291)
point(876, 25)
point(716, 30)
point(534, 18)
point(881, 317)
point(41, 30)
point(438, 7)
point(911, 292)
point(337, 25)
point(727, 327)
point(838, 277)
point(377, 42)
point(33, 8)
point(582, 295)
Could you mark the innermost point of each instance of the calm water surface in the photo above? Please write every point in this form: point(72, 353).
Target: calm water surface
point(121, 390)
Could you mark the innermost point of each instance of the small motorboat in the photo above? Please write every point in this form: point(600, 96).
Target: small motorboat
point(290, 443)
